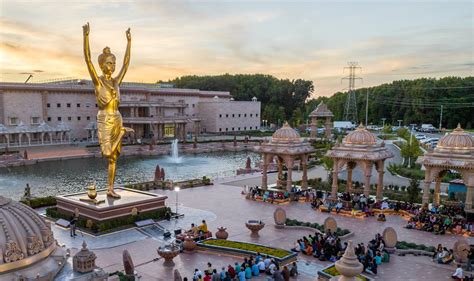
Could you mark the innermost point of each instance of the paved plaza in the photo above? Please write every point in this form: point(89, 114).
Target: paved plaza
point(222, 204)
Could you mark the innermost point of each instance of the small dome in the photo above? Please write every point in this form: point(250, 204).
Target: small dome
point(360, 136)
point(25, 237)
point(457, 140)
point(286, 134)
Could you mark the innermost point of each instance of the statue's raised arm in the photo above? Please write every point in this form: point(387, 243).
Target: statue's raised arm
point(126, 59)
point(87, 55)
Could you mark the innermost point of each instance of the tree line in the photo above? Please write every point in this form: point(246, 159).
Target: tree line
point(282, 99)
point(413, 101)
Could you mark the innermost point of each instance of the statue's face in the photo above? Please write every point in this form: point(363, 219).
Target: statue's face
point(109, 65)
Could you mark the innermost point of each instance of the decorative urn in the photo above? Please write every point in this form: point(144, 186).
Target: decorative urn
point(222, 233)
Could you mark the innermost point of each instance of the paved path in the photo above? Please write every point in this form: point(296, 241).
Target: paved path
point(223, 205)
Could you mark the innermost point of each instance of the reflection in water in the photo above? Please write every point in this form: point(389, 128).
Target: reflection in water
point(60, 177)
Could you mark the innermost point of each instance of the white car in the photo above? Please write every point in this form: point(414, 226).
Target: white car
point(420, 137)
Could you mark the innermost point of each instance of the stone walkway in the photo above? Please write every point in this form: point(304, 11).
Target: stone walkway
point(223, 205)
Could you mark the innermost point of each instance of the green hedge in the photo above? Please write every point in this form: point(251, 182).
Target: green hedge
point(320, 227)
point(413, 246)
point(40, 202)
point(110, 224)
point(279, 253)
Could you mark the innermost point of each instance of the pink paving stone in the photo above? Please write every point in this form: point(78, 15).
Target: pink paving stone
point(232, 211)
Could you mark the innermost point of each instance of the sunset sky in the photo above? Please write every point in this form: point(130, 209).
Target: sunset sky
point(313, 40)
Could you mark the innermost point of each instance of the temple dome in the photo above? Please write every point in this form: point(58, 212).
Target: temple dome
point(286, 134)
point(25, 238)
point(360, 136)
point(457, 140)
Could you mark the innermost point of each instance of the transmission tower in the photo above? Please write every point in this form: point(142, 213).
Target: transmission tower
point(350, 108)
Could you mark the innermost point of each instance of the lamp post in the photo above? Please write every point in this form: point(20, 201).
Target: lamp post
point(176, 189)
point(399, 123)
point(411, 137)
point(383, 122)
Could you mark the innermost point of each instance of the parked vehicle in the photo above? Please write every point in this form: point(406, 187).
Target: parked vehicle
point(420, 137)
point(343, 125)
point(428, 128)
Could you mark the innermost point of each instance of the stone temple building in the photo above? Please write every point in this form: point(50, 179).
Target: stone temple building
point(57, 112)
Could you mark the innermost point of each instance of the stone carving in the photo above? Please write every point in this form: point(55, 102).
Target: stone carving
point(389, 236)
point(12, 252)
point(189, 244)
point(255, 226)
point(162, 172)
point(134, 211)
point(330, 224)
point(168, 252)
point(349, 266)
point(280, 217)
point(47, 236)
point(128, 263)
point(461, 250)
point(34, 245)
point(84, 260)
point(157, 172)
point(222, 233)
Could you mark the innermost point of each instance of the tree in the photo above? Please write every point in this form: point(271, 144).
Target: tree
point(413, 190)
point(328, 164)
point(411, 151)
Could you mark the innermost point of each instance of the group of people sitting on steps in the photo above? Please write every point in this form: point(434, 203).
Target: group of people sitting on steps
point(439, 223)
point(325, 247)
point(250, 268)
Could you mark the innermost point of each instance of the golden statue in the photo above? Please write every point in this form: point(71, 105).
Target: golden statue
point(110, 129)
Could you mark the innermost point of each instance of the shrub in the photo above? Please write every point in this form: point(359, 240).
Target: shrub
point(40, 202)
point(275, 252)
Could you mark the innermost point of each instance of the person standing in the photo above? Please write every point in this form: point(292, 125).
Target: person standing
point(72, 226)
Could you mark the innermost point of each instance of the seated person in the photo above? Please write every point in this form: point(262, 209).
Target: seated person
point(381, 217)
point(384, 205)
point(194, 231)
point(338, 206)
point(203, 227)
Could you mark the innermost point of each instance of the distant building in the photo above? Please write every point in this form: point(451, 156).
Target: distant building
point(61, 111)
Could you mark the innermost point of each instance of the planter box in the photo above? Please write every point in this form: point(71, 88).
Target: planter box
point(281, 261)
point(326, 276)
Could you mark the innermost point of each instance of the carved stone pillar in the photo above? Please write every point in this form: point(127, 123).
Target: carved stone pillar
point(304, 178)
point(335, 174)
point(368, 174)
point(437, 190)
point(379, 193)
point(426, 187)
point(468, 203)
point(327, 128)
point(289, 181)
point(264, 172)
point(349, 177)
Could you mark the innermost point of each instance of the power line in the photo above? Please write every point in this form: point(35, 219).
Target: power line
point(350, 108)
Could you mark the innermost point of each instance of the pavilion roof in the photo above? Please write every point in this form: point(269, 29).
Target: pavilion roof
point(321, 110)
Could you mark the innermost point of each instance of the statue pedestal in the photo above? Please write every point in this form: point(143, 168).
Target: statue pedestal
point(110, 208)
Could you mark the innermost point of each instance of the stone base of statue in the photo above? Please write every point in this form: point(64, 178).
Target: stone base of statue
point(131, 201)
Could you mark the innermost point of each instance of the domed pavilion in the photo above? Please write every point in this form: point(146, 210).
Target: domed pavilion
point(359, 148)
point(28, 250)
point(321, 112)
point(455, 151)
point(286, 146)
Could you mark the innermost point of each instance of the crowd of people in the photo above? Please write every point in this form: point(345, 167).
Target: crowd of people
point(251, 267)
point(439, 221)
point(328, 247)
point(325, 247)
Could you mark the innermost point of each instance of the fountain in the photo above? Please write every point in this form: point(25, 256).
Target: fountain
point(174, 158)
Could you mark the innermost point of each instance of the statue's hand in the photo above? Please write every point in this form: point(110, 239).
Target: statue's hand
point(86, 29)
point(129, 36)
